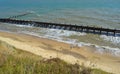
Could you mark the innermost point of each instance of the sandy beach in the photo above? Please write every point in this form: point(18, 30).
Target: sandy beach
point(72, 54)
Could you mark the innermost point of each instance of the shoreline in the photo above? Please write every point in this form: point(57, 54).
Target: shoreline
point(69, 37)
point(49, 48)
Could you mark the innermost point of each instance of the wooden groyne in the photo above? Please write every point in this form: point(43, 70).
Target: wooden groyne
point(87, 29)
point(20, 15)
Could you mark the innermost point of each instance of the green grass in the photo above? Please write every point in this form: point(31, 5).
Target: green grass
point(15, 61)
point(98, 71)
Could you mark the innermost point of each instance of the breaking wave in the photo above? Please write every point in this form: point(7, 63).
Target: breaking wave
point(114, 40)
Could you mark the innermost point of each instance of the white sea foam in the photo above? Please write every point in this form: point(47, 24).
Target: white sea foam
point(60, 35)
point(114, 40)
point(107, 49)
point(20, 25)
point(31, 12)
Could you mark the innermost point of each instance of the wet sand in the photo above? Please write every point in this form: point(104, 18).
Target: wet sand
point(72, 54)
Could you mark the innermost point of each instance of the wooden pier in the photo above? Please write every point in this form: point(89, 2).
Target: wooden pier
point(87, 29)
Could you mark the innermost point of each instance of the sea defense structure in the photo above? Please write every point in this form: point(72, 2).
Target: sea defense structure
point(20, 15)
point(78, 28)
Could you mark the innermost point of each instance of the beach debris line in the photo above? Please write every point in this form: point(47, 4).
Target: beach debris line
point(78, 28)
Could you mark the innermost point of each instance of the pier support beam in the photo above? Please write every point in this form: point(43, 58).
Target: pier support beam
point(107, 33)
point(100, 32)
point(94, 31)
point(114, 33)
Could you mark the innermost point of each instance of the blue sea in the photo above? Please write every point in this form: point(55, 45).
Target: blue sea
point(99, 13)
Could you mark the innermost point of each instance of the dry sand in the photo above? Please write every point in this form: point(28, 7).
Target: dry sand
point(50, 49)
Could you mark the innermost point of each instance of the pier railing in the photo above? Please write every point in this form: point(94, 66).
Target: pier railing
point(87, 29)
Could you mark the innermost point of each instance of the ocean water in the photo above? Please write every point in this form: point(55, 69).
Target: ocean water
point(100, 13)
